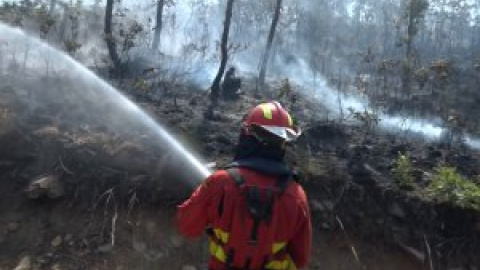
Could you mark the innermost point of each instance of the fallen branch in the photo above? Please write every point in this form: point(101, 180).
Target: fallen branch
point(114, 222)
point(352, 247)
point(65, 169)
point(429, 252)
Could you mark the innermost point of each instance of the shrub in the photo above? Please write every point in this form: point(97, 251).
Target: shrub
point(285, 89)
point(368, 119)
point(449, 186)
point(403, 171)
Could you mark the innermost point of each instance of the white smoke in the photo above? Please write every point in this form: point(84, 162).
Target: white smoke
point(190, 38)
point(48, 76)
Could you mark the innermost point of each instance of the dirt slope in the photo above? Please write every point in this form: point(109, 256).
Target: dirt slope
point(91, 199)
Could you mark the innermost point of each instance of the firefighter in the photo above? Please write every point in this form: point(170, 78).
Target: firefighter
point(255, 213)
point(231, 85)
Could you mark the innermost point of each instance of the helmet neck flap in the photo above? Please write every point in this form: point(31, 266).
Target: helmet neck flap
point(250, 146)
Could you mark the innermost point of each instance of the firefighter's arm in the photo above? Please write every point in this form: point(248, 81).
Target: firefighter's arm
point(300, 245)
point(192, 215)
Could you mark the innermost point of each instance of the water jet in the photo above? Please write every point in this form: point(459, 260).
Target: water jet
point(48, 78)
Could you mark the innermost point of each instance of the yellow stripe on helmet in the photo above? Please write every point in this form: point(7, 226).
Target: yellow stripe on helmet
point(290, 120)
point(267, 109)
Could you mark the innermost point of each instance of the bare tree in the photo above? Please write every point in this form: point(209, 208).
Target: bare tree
point(158, 26)
point(414, 13)
point(215, 88)
point(53, 3)
point(268, 48)
point(109, 38)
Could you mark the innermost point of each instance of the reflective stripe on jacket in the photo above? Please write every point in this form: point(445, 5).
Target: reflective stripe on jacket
point(287, 237)
point(280, 259)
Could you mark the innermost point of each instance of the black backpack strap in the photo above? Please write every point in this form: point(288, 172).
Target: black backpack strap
point(260, 209)
point(259, 202)
point(236, 176)
point(282, 183)
point(220, 205)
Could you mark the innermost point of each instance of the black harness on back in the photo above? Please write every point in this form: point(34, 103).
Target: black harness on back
point(259, 201)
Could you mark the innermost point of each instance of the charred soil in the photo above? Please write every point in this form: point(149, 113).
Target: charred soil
point(85, 197)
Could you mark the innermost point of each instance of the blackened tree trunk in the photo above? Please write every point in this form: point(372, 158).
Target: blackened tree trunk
point(268, 48)
point(109, 38)
point(415, 13)
point(215, 88)
point(158, 26)
point(53, 3)
point(407, 67)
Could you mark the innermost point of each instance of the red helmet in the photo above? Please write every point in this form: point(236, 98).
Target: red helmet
point(274, 119)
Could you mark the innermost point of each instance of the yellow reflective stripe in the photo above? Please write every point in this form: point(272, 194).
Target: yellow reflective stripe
point(291, 264)
point(267, 109)
point(221, 235)
point(278, 246)
point(217, 251)
point(286, 264)
point(277, 265)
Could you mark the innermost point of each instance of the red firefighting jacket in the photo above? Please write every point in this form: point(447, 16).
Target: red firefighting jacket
point(214, 205)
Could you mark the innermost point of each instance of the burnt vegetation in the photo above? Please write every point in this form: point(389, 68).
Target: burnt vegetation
point(196, 67)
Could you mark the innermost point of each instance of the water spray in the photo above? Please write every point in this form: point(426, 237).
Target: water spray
point(97, 85)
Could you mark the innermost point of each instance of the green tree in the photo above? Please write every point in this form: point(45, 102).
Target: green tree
point(448, 186)
point(403, 170)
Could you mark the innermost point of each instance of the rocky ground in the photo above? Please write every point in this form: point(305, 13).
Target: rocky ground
point(85, 196)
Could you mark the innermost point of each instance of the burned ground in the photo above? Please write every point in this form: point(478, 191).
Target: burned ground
point(82, 196)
